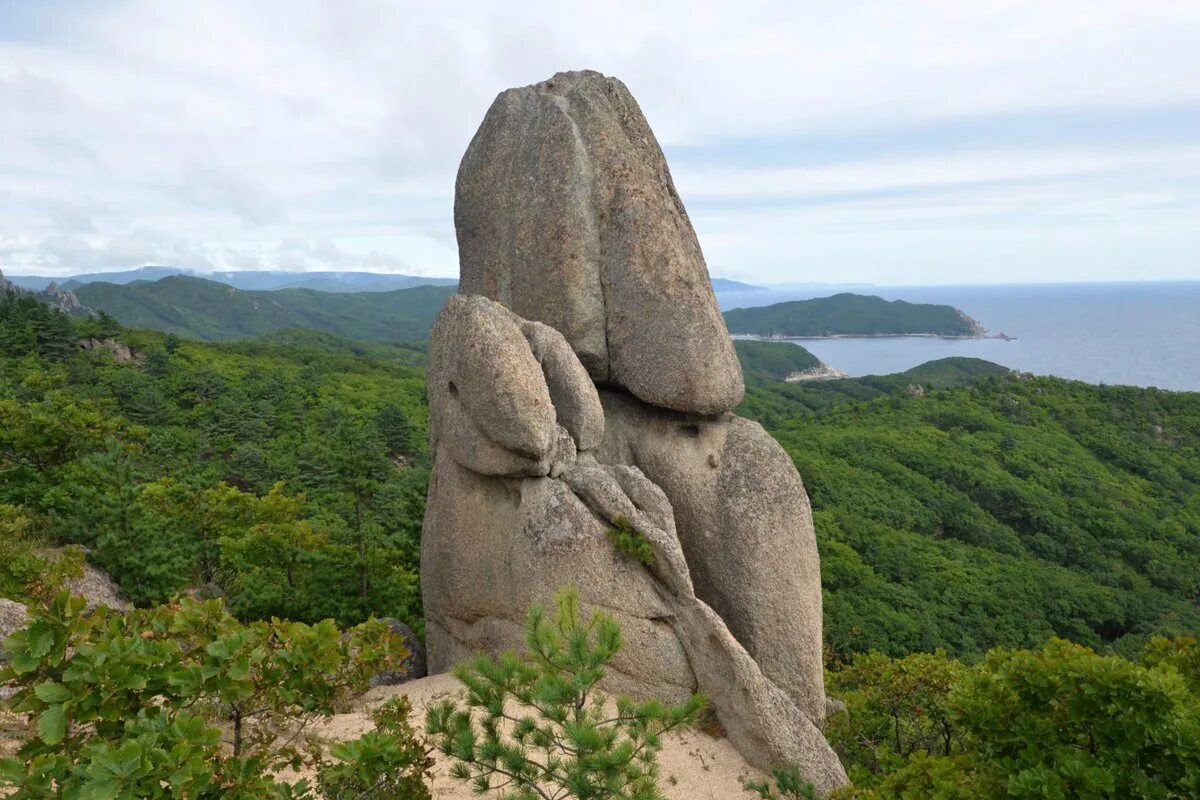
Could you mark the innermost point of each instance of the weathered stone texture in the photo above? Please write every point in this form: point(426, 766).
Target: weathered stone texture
point(593, 386)
point(566, 213)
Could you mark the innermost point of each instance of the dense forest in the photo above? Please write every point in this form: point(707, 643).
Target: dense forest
point(958, 506)
point(970, 520)
point(851, 315)
point(998, 512)
point(289, 470)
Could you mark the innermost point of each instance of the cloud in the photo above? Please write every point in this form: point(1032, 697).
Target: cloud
point(315, 134)
point(322, 254)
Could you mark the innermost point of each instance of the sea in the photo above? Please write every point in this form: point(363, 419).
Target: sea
point(1138, 334)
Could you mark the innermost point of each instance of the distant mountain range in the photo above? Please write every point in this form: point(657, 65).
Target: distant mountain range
point(202, 309)
point(268, 280)
point(50, 293)
point(254, 280)
point(205, 309)
point(726, 285)
point(851, 315)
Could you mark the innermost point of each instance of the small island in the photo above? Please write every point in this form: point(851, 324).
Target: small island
point(851, 315)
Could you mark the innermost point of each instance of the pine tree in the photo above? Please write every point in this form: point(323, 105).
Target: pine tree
point(536, 728)
point(395, 429)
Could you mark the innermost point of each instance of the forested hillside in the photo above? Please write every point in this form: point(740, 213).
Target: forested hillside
point(289, 471)
point(851, 315)
point(195, 308)
point(1000, 512)
point(959, 507)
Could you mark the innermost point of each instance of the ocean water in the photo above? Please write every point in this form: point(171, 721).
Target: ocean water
point(1140, 334)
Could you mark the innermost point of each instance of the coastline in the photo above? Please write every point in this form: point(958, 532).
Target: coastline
point(824, 372)
point(777, 338)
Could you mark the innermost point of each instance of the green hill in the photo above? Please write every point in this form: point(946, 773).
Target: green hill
point(946, 373)
point(851, 315)
point(997, 511)
point(201, 309)
point(772, 361)
point(775, 401)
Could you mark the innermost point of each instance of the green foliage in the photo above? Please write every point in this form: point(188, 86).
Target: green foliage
point(28, 327)
point(20, 566)
point(1069, 723)
point(27, 570)
point(290, 472)
point(195, 308)
point(631, 542)
point(1181, 654)
point(999, 513)
point(388, 763)
point(178, 700)
point(986, 510)
point(949, 373)
point(535, 726)
point(850, 315)
point(1062, 722)
point(896, 708)
point(789, 785)
point(772, 361)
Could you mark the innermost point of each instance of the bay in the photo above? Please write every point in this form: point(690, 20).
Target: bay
point(1140, 334)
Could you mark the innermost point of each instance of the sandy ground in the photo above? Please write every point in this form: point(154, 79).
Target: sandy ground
point(694, 766)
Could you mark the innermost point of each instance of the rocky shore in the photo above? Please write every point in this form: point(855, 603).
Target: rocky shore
point(821, 373)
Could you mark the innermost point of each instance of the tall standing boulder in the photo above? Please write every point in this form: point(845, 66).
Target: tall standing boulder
point(566, 213)
point(584, 378)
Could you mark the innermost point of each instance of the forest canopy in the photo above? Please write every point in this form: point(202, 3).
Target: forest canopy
point(957, 506)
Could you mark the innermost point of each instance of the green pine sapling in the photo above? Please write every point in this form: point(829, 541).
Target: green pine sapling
point(630, 541)
point(789, 785)
point(535, 727)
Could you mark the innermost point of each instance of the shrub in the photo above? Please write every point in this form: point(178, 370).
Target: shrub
point(789, 785)
point(536, 727)
point(177, 700)
point(1067, 722)
point(1181, 654)
point(895, 707)
point(388, 763)
point(27, 571)
point(1061, 722)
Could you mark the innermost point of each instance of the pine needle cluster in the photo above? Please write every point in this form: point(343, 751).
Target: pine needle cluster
point(535, 727)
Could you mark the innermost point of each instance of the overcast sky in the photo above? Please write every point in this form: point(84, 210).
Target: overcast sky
point(887, 142)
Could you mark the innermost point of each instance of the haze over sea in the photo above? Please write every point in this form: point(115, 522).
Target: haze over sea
point(1141, 334)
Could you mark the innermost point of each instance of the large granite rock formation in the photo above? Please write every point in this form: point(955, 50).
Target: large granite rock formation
point(583, 376)
point(566, 213)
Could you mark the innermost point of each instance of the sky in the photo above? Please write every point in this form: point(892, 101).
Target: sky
point(920, 142)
